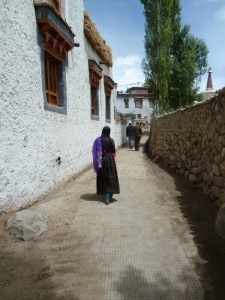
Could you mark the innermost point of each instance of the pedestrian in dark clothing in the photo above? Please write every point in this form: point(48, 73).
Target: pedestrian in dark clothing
point(104, 164)
point(130, 135)
point(137, 136)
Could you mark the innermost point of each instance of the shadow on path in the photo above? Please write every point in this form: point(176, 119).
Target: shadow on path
point(92, 197)
point(95, 197)
point(200, 213)
point(134, 286)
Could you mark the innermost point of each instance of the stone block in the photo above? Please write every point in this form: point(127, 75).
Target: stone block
point(171, 157)
point(27, 224)
point(216, 169)
point(195, 163)
point(220, 222)
point(206, 190)
point(223, 153)
point(222, 195)
point(192, 178)
point(215, 190)
point(222, 129)
point(222, 166)
point(217, 159)
point(181, 171)
point(194, 171)
point(183, 157)
point(219, 181)
point(186, 174)
point(221, 139)
point(205, 177)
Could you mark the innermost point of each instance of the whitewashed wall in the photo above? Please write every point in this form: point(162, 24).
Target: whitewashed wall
point(145, 111)
point(31, 137)
point(119, 131)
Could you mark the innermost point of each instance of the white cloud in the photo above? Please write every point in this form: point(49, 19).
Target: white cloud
point(127, 71)
point(127, 60)
point(220, 14)
point(199, 3)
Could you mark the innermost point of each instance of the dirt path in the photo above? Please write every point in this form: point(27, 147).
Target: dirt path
point(93, 251)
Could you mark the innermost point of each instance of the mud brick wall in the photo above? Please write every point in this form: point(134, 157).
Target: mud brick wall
point(192, 140)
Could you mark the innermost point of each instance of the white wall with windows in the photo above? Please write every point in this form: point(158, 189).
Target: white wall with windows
point(44, 144)
point(140, 106)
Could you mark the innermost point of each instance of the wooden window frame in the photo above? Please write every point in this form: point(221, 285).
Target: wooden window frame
point(109, 86)
point(54, 82)
point(126, 103)
point(94, 101)
point(108, 107)
point(51, 82)
point(57, 40)
point(95, 75)
point(138, 101)
point(56, 4)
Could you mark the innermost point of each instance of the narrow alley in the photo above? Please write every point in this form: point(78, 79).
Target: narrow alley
point(138, 247)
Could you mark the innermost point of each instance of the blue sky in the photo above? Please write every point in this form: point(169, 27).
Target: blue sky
point(121, 23)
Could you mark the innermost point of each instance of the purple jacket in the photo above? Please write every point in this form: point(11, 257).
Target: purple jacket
point(97, 154)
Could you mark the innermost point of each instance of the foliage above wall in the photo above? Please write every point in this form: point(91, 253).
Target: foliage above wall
point(96, 40)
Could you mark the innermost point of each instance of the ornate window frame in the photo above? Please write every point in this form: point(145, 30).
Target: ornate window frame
point(57, 41)
point(126, 102)
point(95, 75)
point(109, 86)
point(138, 100)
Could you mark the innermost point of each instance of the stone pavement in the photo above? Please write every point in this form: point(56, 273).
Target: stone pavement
point(140, 256)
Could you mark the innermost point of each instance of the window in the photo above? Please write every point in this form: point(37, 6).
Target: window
point(94, 100)
point(138, 116)
point(55, 84)
point(95, 75)
point(57, 40)
point(126, 102)
point(109, 85)
point(138, 103)
point(107, 108)
point(51, 80)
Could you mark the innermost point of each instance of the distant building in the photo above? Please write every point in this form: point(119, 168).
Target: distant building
point(135, 101)
point(209, 92)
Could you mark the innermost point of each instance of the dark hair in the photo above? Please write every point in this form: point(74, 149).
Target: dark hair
point(106, 130)
point(137, 123)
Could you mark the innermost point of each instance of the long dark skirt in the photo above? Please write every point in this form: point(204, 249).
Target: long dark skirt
point(107, 178)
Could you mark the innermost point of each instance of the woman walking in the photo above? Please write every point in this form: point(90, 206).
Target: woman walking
point(104, 165)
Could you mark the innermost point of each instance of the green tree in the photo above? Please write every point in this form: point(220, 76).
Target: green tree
point(189, 63)
point(158, 38)
point(130, 116)
point(174, 60)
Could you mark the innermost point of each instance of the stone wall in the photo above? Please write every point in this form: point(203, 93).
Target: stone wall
point(192, 140)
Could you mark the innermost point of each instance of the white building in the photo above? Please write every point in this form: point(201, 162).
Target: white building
point(56, 94)
point(136, 101)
